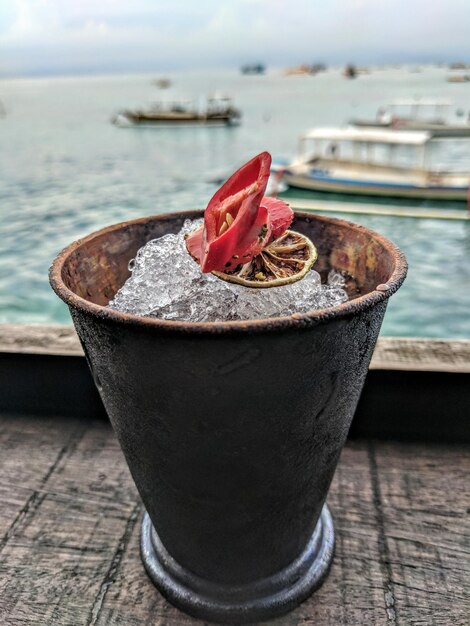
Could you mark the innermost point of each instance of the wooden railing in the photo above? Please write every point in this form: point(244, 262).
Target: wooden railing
point(391, 353)
point(417, 389)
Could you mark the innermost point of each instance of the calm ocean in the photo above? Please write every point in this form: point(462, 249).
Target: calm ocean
point(66, 171)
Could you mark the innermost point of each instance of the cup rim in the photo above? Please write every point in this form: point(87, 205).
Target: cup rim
point(294, 321)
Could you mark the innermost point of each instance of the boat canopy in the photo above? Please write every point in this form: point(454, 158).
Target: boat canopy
point(366, 135)
point(219, 97)
point(410, 102)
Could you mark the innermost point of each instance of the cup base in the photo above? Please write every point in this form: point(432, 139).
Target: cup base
point(260, 600)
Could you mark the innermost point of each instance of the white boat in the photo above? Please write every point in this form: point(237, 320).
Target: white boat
point(458, 78)
point(372, 162)
point(417, 114)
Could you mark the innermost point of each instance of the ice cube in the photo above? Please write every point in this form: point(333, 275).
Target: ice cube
point(167, 283)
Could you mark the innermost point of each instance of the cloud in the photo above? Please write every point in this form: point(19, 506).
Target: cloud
point(51, 35)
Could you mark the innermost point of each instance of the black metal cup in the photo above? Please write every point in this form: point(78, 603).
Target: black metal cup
point(232, 430)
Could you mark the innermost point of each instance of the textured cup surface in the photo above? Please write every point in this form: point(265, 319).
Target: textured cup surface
point(232, 430)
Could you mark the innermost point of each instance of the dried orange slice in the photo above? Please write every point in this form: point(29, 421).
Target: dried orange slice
point(284, 261)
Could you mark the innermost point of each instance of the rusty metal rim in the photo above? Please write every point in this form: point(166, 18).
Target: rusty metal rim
point(296, 320)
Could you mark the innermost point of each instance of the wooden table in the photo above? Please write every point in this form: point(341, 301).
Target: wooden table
point(70, 517)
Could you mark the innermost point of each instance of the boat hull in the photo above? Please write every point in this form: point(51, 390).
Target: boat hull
point(181, 120)
point(355, 187)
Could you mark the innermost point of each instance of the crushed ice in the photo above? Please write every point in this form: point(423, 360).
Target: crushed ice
point(167, 283)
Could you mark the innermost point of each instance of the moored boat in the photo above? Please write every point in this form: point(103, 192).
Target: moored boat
point(368, 162)
point(162, 83)
point(350, 71)
point(458, 78)
point(305, 69)
point(218, 111)
point(423, 115)
point(253, 68)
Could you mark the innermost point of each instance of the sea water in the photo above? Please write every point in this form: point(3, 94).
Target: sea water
point(66, 171)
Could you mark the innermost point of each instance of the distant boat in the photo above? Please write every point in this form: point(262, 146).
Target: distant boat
point(218, 111)
point(459, 66)
point(254, 68)
point(415, 114)
point(350, 71)
point(162, 83)
point(299, 70)
point(320, 165)
point(305, 68)
point(458, 78)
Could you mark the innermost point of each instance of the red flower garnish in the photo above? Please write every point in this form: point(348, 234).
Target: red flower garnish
point(239, 221)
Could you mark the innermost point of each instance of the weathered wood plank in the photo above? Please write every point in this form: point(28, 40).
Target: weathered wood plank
point(391, 353)
point(55, 339)
point(30, 451)
point(73, 557)
point(55, 566)
point(425, 501)
point(422, 355)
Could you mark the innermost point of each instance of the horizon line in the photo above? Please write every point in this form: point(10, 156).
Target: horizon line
point(72, 72)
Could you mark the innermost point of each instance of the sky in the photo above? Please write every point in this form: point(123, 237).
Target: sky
point(94, 36)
